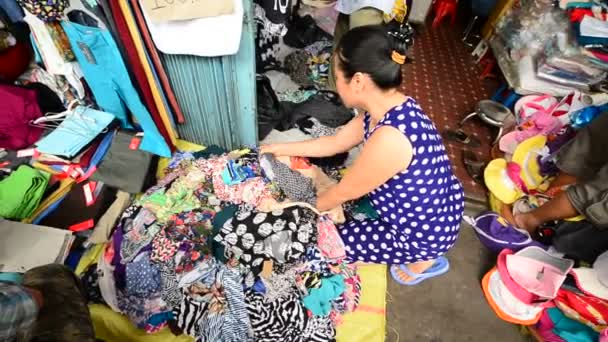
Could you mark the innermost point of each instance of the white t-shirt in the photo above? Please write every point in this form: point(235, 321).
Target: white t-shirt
point(349, 6)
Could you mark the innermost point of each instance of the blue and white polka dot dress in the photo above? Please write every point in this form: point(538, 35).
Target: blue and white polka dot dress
point(420, 208)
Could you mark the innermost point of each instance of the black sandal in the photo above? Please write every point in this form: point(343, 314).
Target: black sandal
point(461, 137)
point(473, 166)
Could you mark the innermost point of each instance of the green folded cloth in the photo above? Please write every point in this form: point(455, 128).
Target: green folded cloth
point(21, 192)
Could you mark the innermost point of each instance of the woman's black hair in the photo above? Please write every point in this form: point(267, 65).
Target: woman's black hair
point(368, 49)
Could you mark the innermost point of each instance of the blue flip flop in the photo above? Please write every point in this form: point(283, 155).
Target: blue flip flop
point(439, 267)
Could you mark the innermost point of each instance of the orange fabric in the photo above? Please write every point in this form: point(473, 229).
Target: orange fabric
point(299, 163)
point(485, 285)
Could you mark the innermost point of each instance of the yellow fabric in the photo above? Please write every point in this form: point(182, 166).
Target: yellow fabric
point(65, 186)
point(495, 203)
point(124, 6)
point(180, 145)
point(499, 183)
point(114, 327)
point(525, 155)
point(89, 258)
point(187, 146)
point(368, 322)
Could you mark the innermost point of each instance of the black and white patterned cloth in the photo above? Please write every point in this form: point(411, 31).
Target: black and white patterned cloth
point(213, 307)
point(285, 320)
point(295, 185)
point(268, 37)
point(282, 235)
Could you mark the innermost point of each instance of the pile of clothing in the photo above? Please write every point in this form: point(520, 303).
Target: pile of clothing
point(228, 246)
point(293, 65)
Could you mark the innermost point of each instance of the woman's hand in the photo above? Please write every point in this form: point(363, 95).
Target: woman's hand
point(274, 149)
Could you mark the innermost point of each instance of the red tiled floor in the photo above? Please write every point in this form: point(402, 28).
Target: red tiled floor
point(445, 80)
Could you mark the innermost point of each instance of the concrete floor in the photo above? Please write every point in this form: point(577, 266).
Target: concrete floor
point(452, 307)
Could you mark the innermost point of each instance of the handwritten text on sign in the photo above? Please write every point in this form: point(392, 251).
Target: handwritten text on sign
point(173, 10)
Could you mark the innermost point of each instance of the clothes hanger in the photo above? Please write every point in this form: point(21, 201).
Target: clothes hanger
point(51, 116)
point(53, 120)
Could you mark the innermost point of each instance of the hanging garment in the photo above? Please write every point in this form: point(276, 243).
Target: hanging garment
point(124, 8)
point(268, 36)
point(154, 56)
point(6, 40)
point(14, 61)
point(107, 76)
point(208, 45)
point(46, 10)
point(18, 106)
point(42, 42)
point(139, 72)
point(253, 236)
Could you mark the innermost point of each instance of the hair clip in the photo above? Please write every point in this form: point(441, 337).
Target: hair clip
point(398, 58)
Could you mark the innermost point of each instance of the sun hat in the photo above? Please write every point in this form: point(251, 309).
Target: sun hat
point(505, 304)
point(497, 179)
point(519, 292)
point(497, 234)
point(526, 156)
point(538, 271)
point(540, 122)
point(593, 280)
point(528, 105)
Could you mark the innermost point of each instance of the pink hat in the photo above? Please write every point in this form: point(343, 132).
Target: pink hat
point(537, 271)
point(519, 292)
point(505, 304)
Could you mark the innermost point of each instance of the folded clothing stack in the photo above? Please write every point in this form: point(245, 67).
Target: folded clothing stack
point(21, 192)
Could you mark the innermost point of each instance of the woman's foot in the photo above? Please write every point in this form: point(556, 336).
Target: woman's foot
point(528, 221)
point(413, 274)
point(415, 268)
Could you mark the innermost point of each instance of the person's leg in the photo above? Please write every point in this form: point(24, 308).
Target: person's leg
point(377, 241)
point(365, 17)
point(557, 208)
